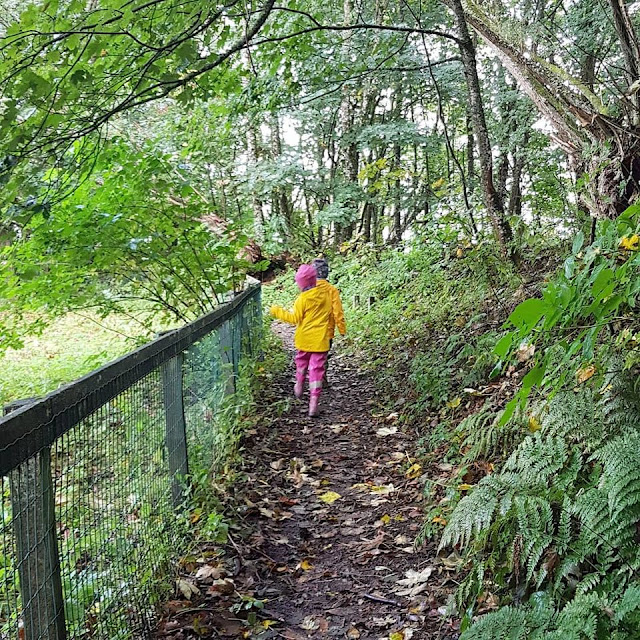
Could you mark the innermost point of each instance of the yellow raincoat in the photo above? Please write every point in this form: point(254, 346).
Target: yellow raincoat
point(312, 314)
point(337, 317)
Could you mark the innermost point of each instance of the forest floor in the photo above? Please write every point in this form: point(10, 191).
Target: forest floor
point(327, 515)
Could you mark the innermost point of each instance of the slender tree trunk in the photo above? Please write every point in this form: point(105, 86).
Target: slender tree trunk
point(493, 202)
point(515, 193)
point(471, 166)
point(254, 158)
point(281, 199)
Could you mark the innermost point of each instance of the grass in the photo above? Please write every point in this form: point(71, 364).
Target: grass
point(68, 348)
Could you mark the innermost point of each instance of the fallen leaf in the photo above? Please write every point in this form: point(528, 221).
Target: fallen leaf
point(207, 573)
point(534, 424)
point(305, 565)
point(373, 543)
point(445, 466)
point(439, 520)
point(329, 497)
point(452, 404)
point(353, 633)
point(585, 373)
point(414, 582)
point(225, 587)
point(453, 561)
point(396, 635)
point(414, 471)
point(464, 487)
point(525, 352)
point(383, 489)
point(383, 622)
point(187, 588)
point(309, 624)
point(386, 431)
point(278, 465)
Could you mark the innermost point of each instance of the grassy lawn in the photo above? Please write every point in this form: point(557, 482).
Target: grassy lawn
point(70, 347)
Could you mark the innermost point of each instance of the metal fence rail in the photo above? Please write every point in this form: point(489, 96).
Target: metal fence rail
point(91, 476)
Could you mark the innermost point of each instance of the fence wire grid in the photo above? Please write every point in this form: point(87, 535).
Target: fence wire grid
point(92, 475)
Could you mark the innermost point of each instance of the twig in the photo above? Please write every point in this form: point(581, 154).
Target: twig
point(368, 596)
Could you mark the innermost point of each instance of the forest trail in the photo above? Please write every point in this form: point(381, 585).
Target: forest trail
point(329, 511)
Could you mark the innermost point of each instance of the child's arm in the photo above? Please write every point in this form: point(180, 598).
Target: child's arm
point(338, 313)
point(292, 317)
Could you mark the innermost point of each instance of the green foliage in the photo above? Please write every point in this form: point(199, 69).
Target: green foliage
point(133, 232)
point(558, 521)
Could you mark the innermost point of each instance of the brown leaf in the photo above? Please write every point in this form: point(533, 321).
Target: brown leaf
point(368, 545)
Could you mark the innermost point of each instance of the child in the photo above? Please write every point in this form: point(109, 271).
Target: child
point(337, 316)
point(312, 315)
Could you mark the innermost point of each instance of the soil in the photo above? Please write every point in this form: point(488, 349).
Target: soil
point(327, 516)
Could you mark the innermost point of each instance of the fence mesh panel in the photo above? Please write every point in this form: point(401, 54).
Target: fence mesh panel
point(89, 526)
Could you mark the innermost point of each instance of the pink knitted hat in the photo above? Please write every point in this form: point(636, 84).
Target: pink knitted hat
point(306, 277)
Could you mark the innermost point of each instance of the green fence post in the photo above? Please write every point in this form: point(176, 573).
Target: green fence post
point(226, 356)
point(37, 557)
point(175, 425)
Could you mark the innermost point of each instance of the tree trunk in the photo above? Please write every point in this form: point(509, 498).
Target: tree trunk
point(601, 147)
point(281, 202)
point(254, 158)
point(471, 167)
point(492, 199)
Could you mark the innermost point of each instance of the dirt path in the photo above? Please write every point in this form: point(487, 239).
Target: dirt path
point(331, 509)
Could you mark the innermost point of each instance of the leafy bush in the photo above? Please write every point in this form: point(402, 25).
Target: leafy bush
point(554, 531)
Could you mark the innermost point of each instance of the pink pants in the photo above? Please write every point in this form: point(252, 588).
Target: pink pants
point(315, 363)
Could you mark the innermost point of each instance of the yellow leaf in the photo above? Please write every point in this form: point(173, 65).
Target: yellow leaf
point(267, 624)
point(305, 565)
point(386, 519)
point(438, 183)
point(329, 497)
point(465, 487)
point(585, 373)
point(414, 471)
point(534, 424)
point(439, 520)
point(452, 404)
point(396, 635)
point(630, 243)
point(383, 489)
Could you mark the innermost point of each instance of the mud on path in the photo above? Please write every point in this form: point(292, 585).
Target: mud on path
point(328, 514)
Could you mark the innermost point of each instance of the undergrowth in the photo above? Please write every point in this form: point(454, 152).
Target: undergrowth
point(537, 425)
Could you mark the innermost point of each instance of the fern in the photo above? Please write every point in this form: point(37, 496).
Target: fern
point(484, 437)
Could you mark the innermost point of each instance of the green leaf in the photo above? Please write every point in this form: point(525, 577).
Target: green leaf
point(578, 242)
point(508, 411)
point(528, 313)
point(504, 345)
point(534, 377)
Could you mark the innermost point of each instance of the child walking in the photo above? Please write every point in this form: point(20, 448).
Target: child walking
point(312, 314)
point(337, 317)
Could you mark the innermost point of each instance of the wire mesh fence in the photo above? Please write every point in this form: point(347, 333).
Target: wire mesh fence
point(91, 477)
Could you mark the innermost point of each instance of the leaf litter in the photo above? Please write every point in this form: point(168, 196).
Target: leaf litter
point(321, 540)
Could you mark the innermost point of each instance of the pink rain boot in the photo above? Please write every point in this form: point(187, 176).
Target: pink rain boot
point(313, 406)
point(298, 389)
